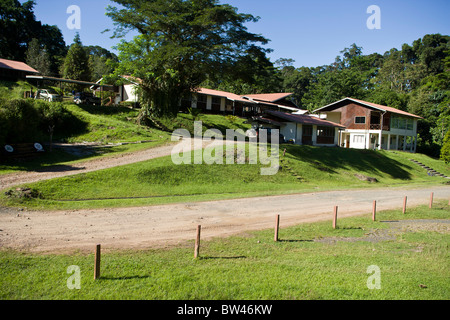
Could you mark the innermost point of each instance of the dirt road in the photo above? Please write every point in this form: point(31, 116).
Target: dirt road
point(168, 225)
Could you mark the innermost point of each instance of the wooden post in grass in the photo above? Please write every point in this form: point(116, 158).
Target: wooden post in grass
point(404, 204)
point(335, 216)
point(97, 262)
point(374, 210)
point(277, 226)
point(197, 242)
point(431, 199)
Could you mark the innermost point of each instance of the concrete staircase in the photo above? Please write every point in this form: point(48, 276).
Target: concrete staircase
point(430, 171)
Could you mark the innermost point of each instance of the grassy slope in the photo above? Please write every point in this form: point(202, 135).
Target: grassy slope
point(104, 125)
point(160, 181)
point(253, 266)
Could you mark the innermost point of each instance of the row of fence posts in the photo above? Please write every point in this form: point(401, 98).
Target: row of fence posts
point(276, 237)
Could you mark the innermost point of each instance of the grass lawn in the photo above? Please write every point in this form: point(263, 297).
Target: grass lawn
point(159, 181)
point(312, 262)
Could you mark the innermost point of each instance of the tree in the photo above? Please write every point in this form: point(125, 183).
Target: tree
point(76, 64)
point(52, 39)
point(18, 26)
point(181, 44)
point(101, 61)
point(38, 58)
point(445, 151)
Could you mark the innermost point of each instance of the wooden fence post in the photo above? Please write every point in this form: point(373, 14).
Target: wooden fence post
point(197, 242)
point(404, 204)
point(277, 226)
point(97, 262)
point(374, 210)
point(431, 199)
point(335, 217)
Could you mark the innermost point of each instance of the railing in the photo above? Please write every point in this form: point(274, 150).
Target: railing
point(378, 127)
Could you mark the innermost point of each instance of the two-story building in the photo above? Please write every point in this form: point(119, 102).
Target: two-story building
point(372, 126)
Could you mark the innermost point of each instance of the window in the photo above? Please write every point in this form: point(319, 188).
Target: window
point(358, 138)
point(325, 135)
point(360, 120)
point(410, 124)
point(402, 123)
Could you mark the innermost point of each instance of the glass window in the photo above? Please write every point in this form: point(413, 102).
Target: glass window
point(410, 124)
point(361, 120)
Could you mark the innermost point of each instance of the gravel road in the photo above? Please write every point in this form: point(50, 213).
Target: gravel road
point(169, 225)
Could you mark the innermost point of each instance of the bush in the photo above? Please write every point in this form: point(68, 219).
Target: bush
point(19, 121)
point(445, 151)
point(28, 120)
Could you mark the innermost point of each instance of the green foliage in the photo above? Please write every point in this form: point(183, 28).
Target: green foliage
point(415, 79)
point(28, 120)
point(445, 151)
point(76, 63)
point(19, 26)
point(180, 44)
point(38, 58)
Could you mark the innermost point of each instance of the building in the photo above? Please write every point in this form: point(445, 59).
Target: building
point(372, 126)
point(15, 70)
point(301, 129)
point(216, 101)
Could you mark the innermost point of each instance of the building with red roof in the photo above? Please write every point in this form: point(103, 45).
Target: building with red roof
point(372, 126)
point(15, 70)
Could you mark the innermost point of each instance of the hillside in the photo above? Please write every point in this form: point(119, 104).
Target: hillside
point(159, 181)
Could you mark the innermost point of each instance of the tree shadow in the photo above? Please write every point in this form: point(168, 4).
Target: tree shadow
point(366, 161)
point(106, 278)
point(223, 258)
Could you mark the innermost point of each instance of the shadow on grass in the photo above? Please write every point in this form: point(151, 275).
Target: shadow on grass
point(48, 161)
point(106, 278)
point(294, 240)
point(223, 258)
point(368, 161)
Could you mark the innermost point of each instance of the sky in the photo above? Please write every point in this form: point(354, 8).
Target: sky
point(311, 32)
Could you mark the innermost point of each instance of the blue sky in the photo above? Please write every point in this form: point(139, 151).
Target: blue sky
point(310, 32)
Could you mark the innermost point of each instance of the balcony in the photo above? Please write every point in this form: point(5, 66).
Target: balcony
point(378, 127)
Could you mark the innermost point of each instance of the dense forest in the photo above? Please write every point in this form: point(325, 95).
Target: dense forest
point(414, 78)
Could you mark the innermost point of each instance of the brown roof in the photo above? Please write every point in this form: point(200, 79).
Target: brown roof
point(269, 97)
point(341, 103)
point(223, 94)
point(16, 65)
point(303, 119)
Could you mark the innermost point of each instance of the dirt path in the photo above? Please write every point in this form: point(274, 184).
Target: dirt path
point(168, 225)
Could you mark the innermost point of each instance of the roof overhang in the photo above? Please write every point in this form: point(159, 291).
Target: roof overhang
point(302, 119)
point(69, 81)
point(369, 105)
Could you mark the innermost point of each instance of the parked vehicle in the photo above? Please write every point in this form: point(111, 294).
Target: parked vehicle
point(86, 98)
point(48, 95)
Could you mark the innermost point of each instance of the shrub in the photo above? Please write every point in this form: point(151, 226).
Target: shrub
point(445, 151)
point(28, 120)
point(19, 121)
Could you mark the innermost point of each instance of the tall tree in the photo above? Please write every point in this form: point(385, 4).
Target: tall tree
point(38, 57)
point(18, 26)
point(181, 42)
point(76, 64)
